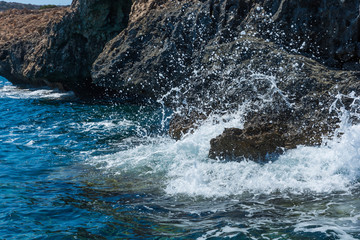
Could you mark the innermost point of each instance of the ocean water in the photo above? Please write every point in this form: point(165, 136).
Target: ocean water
point(71, 169)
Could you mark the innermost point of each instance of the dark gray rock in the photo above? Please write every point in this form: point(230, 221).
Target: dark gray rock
point(167, 41)
point(214, 56)
point(327, 30)
point(254, 144)
point(184, 123)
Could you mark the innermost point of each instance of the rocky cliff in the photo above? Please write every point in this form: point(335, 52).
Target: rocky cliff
point(184, 33)
point(61, 55)
point(284, 60)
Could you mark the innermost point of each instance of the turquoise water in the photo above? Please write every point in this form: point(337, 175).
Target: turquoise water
point(71, 169)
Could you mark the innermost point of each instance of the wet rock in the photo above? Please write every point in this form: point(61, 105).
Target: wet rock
point(262, 142)
point(167, 43)
point(255, 144)
point(323, 29)
point(184, 123)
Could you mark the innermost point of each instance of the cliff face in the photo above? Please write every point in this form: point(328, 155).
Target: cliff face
point(62, 54)
point(171, 38)
point(285, 60)
point(328, 31)
point(21, 34)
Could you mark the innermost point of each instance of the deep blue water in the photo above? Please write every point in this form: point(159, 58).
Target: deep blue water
point(71, 169)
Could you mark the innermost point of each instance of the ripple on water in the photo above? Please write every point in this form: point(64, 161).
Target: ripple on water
point(71, 170)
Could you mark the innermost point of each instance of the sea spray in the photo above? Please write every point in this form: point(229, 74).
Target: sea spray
point(333, 166)
point(113, 172)
point(317, 169)
point(185, 168)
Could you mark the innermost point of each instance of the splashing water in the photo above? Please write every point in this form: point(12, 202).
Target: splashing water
point(10, 91)
point(83, 170)
point(334, 166)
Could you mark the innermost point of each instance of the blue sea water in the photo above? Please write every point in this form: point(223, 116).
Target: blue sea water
point(71, 169)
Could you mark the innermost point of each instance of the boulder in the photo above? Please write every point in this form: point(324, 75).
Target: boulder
point(255, 144)
point(263, 141)
point(185, 123)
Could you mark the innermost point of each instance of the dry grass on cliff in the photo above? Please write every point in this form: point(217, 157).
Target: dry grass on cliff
point(25, 24)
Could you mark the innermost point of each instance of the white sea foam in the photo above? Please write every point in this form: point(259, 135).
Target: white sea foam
point(329, 229)
point(7, 90)
point(106, 125)
point(335, 166)
point(161, 153)
point(225, 231)
point(186, 168)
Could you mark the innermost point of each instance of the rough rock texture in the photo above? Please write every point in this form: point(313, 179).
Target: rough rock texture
point(255, 144)
point(20, 32)
point(182, 124)
point(328, 30)
point(261, 140)
point(62, 54)
point(282, 60)
point(167, 40)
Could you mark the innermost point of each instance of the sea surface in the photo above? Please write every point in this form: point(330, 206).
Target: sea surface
point(73, 169)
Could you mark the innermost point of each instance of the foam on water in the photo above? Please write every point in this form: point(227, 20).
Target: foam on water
point(105, 125)
point(7, 90)
point(226, 231)
point(307, 193)
point(334, 166)
point(329, 229)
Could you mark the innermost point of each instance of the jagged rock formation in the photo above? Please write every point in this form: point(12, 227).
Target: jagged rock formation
point(327, 30)
point(216, 55)
point(170, 38)
point(12, 5)
point(283, 60)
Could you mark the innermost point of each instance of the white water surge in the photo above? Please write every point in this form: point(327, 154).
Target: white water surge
point(186, 169)
point(139, 177)
point(7, 90)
